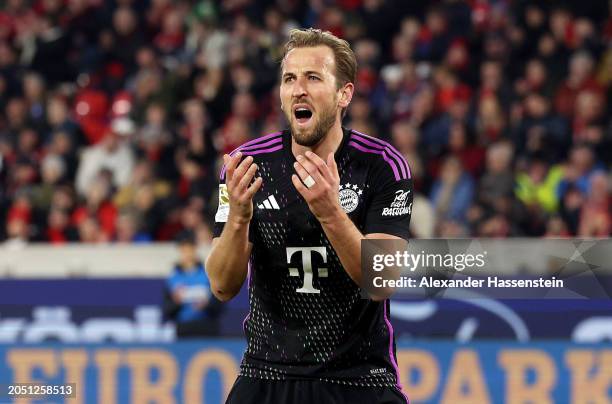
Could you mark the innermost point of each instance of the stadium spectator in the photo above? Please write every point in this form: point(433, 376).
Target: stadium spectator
point(537, 186)
point(198, 79)
point(112, 154)
point(188, 300)
point(452, 193)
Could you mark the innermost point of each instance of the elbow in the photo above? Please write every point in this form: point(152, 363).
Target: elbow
point(223, 294)
point(381, 294)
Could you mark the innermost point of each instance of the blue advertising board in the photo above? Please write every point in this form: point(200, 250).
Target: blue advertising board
point(129, 311)
point(202, 371)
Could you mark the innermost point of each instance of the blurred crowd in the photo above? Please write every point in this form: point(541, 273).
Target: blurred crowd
point(114, 114)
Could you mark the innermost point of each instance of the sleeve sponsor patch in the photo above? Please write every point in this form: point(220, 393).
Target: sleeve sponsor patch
point(223, 209)
point(401, 205)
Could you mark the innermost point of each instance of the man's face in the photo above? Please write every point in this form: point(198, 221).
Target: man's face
point(309, 93)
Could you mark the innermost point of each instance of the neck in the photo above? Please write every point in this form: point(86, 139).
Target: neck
point(329, 144)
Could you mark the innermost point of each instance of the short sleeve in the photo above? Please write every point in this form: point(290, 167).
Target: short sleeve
point(390, 205)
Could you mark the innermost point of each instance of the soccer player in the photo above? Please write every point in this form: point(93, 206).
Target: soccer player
point(293, 209)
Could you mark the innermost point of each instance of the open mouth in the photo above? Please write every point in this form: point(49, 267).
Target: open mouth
point(302, 113)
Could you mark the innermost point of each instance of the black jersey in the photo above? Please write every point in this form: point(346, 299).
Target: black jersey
point(307, 319)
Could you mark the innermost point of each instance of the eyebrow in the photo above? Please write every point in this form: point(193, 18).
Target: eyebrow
point(306, 73)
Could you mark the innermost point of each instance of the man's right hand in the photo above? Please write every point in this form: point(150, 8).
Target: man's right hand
point(238, 177)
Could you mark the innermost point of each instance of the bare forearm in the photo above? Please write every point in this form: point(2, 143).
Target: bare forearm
point(346, 240)
point(227, 263)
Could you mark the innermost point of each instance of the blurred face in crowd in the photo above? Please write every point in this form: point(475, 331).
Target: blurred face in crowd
point(535, 73)
point(559, 20)
point(58, 219)
point(310, 97)
point(126, 228)
point(536, 106)
point(499, 157)
point(7, 55)
point(28, 139)
point(581, 66)
point(124, 21)
point(589, 105)
point(16, 111)
point(457, 138)
point(61, 143)
point(491, 75)
point(534, 16)
point(33, 86)
point(62, 199)
point(599, 188)
point(145, 58)
point(451, 170)
point(156, 115)
point(188, 254)
point(537, 171)
point(173, 23)
point(405, 136)
point(89, 230)
point(360, 109)
point(435, 21)
point(581, 158)
point(57, 111)
point(53, 168)
point(243, 105)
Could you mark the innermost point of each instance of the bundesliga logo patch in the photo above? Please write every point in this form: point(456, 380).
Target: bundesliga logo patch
point(349, 197)
point(400, 205)
point(223, 209)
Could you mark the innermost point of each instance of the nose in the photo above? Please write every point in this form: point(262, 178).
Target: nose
point(299, 89)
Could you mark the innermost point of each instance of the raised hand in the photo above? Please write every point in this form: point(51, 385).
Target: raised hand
point(238, 177)
point(318, 183)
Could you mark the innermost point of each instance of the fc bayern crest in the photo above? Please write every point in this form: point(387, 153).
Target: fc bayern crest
point(349, 196)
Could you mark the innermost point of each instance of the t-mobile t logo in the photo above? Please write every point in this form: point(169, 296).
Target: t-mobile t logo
point(306, 253)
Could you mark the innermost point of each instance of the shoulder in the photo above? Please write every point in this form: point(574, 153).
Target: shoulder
point(381, 155)
point(265, 144)
point(261, 148)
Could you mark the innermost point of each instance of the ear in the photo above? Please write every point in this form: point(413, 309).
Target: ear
point(346, 95)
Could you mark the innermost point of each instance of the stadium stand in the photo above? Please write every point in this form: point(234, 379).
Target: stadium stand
point(114, 115)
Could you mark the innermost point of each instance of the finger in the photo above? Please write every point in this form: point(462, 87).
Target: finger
point(232, 161)
point(254, 187)
point(305, 175)
point(331, 163)
point(318, 163)
point(301, 188)
point(301, 171)
point(310, 168)
point(247, 177)
point(242, 168)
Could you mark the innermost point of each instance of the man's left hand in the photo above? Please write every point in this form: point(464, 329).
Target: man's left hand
point(321, 194)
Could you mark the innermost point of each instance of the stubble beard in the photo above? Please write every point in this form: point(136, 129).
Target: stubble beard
point(311, 137)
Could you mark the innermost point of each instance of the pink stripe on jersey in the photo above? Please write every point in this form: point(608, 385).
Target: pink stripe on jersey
point(380, 144)
point(268, 150)
point(260, 145)
point(383, 153)
point(249, 275)
point(391, 355)
point(255, 141)
point(256, 144)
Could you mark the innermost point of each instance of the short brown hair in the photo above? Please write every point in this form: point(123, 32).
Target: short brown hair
point(346, 63)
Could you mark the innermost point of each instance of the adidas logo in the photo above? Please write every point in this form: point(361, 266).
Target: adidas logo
point(269, 203)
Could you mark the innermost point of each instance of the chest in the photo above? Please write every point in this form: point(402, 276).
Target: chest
point(282, 216)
